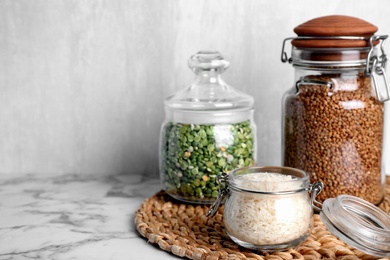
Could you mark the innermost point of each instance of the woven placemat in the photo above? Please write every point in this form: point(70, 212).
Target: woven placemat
point(185, 231)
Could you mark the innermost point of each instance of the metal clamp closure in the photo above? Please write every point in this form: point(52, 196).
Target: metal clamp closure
point(284, 57)
point(316, 189)
point(223, 192)
point(376, 66)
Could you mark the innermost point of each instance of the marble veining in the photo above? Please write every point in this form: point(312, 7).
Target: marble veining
point(74, 217)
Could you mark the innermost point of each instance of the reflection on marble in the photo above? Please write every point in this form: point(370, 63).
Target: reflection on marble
point(74, 217)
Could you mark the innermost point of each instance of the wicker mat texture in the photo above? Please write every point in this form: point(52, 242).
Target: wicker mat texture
point(185, 231)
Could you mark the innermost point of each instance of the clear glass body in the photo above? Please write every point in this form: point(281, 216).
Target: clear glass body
point(333, 124)
point(268, 208)
point(208, 129)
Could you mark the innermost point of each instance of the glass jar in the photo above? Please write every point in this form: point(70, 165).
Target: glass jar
point(333, 116)
point(208, 130)
point(270, 208)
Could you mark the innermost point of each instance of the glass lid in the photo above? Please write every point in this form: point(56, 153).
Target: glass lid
point(209, 92)
point(358, 223)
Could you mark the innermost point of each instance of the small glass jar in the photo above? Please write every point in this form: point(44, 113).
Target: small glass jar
point(270, 208)
point(267, 208)
point(333, 116)
point(208, 130)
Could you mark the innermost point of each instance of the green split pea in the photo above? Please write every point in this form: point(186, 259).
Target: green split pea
point(192, 156)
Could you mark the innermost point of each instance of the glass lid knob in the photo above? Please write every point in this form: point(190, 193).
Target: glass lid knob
point(207, 60)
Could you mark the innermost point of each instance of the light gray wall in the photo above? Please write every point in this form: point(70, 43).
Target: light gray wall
point(82, 82)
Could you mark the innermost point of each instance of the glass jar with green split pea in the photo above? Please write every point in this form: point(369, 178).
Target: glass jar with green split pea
point(208, 130)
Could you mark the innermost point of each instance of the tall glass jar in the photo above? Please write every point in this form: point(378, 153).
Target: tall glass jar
point(333, 116)
point(208, 130)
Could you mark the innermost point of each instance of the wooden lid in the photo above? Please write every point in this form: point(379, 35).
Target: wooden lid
point(334, 25)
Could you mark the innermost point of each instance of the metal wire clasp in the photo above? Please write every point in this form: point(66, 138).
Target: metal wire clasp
point(376, 66)
point(316, 189)
point(284, 56)
point(223, 192)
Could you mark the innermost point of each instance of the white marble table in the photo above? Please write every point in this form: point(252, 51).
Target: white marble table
point(74, 217)
point(86, 217)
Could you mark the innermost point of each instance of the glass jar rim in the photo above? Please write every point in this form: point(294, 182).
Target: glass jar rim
point(346, 58)
point(300, 180)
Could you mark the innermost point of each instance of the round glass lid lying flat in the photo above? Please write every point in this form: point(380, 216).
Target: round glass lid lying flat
point(358, 223)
